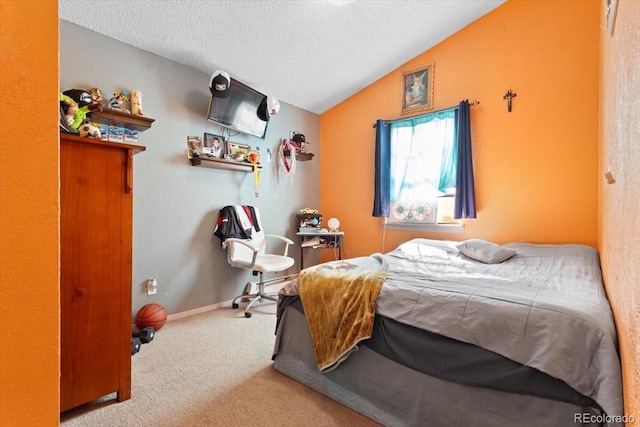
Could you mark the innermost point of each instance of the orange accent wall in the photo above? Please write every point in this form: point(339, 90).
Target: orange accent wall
point(619, 207)
point(536, 168)
point(29, 256)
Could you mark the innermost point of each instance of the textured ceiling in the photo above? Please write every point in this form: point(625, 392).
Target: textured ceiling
point(310, 54)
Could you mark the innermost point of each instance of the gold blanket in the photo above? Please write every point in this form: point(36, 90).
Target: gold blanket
point(339, 300)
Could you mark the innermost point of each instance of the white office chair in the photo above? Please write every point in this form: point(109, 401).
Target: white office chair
point(249, 254)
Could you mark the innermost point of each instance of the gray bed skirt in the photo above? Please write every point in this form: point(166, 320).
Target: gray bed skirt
point(394, 395)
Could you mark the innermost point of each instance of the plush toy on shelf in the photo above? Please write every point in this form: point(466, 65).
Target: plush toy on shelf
point(89, 131)
point(76, 106)
point(96, 95)
point(69, 108)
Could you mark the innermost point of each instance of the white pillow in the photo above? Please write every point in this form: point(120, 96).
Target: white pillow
point(484, 251)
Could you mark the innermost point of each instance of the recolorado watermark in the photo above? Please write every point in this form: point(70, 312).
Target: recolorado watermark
point(587, 418)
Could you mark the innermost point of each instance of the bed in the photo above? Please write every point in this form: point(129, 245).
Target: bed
point(441, 333)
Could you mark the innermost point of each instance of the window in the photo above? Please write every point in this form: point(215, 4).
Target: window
point(423, 169)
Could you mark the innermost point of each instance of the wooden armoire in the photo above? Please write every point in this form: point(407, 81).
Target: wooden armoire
point(96, 202)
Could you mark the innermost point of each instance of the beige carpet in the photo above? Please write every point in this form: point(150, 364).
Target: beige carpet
point(214, 369)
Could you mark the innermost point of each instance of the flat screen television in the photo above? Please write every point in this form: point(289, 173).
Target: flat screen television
point(238, 111)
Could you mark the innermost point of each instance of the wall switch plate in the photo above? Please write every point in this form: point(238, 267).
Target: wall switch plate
point(152, 286)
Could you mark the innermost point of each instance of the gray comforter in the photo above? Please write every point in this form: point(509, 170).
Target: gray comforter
point(545, 308)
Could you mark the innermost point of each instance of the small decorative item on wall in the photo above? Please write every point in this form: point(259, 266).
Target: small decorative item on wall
point(509, 96)
point(213, 146)
point(237, 151)
point(194, 146)
point(417, 90)
point(610, 12)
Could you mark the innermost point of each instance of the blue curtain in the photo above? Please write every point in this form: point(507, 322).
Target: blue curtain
point(382, 183)
point(465, 204)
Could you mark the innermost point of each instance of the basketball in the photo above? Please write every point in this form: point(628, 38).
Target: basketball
point(153, 315)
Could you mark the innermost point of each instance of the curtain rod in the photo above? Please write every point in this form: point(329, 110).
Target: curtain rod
point(471, 104)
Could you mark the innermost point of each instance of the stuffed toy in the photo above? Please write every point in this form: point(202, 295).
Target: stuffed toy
point(77, 104)
point(69, 107)
point(96, 95)
point(89, 131)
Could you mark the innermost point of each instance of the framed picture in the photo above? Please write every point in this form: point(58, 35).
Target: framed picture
point(213, 146)
point(417, 90)
point(194, 146)
point(238, 151)
point(611, 12)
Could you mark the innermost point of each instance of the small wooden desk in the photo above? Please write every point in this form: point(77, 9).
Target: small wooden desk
point(326, 240)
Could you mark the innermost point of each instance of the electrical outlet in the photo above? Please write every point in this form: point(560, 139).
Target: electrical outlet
point(152, 286)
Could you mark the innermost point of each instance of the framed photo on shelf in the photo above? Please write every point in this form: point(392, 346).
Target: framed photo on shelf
point(194, 146)
point(214, 146)
point(238, 151)
point(417, 90)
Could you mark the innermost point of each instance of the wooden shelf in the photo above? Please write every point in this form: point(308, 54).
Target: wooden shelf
point(72, 137)
point(128, 121)
point(223, 164)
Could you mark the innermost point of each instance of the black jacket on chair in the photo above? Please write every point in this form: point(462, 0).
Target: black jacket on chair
point(231, 225)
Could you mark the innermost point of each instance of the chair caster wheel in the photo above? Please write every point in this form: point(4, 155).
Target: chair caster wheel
point(248, 314)
point(234, 305)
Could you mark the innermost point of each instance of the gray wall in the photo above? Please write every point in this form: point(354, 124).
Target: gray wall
point(175, 204)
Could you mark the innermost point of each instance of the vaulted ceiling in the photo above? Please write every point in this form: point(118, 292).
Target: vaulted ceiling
point(312, 54)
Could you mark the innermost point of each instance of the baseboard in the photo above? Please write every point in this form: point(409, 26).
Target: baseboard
point(198, 310)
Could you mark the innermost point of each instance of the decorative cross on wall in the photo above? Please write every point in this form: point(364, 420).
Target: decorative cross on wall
point(508, 97)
